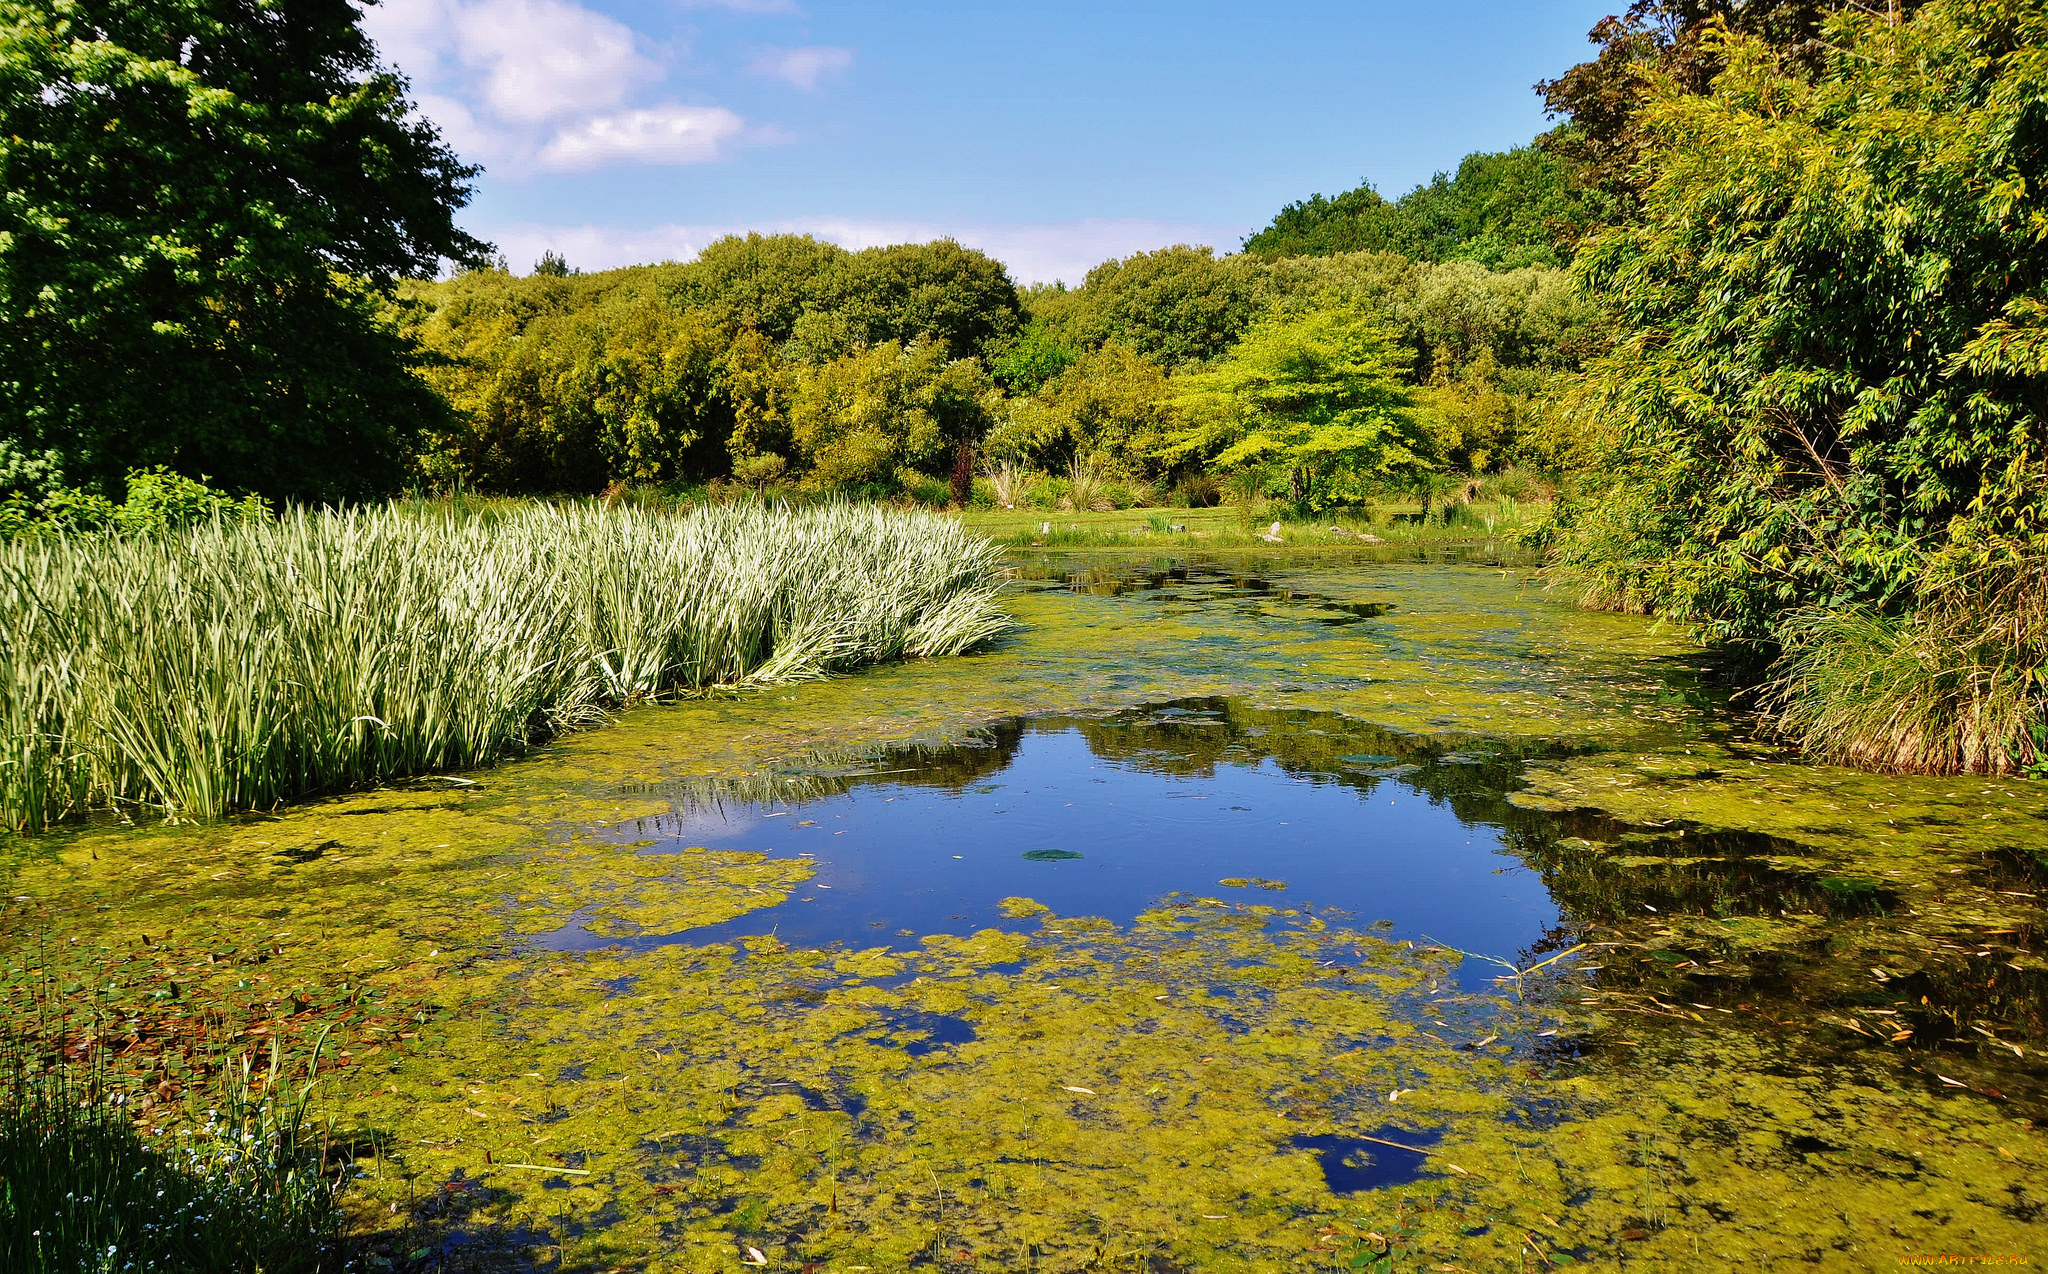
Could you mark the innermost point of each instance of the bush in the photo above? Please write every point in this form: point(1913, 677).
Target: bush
point(1198, 491)
point(158, 501)
point(1047, 492)
point(1957, 686)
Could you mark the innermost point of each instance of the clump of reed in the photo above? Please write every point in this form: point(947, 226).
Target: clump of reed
point(82, 1188)
point(1957, 686)
point(238, 665)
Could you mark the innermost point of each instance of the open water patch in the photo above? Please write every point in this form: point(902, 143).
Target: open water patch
point(1302, 812)
point(1385, 1157)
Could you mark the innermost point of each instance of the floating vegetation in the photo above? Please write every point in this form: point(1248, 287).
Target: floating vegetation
point(240, 664)
point(1767, 1015)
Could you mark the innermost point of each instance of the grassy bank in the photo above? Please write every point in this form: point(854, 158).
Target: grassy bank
point(235, 666)
point(1240, 527)
point(83, 1189)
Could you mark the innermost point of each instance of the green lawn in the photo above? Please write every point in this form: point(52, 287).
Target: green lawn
point(1232, 527)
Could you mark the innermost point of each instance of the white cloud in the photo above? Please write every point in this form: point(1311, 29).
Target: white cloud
point(656, 135)
point(520, 85)
point(802, 68)
point(1035, 252)
point(544, 59)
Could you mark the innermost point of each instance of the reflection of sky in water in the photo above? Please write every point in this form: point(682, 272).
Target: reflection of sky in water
point(894, 856)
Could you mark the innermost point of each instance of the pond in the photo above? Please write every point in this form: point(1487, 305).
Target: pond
point(1333, 911)
point(1104, 816)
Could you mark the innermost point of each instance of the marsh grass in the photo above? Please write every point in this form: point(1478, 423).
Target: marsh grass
point(235, 666)
point(83, 1189)
point(1955, 687)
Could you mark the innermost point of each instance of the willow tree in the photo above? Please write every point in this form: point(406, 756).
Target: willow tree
point(207, 205)
point(1827, 409)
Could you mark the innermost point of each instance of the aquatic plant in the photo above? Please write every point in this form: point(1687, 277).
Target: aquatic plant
point(238, 665)
point(82, 1189)
point(1958, 686)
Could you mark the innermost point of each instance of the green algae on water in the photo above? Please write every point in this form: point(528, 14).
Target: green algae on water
point(1733, 1085)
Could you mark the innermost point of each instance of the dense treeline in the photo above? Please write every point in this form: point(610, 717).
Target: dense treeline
point(1519, 207)
point(782, 359)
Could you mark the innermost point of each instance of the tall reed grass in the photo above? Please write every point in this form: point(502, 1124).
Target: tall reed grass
point(242, 1190)
point(236, 666)
point(1958, 686)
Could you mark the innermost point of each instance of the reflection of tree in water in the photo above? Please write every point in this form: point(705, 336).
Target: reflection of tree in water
point(1693, 915)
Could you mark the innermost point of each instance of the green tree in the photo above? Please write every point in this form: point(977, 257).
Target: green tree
point(1515, 208)
point(1318, 394)
point(1037, 354)
point(765, 282)
point(937, 291)
point(1179, 305)
point(570, 383)
point(1828, 382)
point(1668, 46)
point(208, 203)
point(862, 417)
point(1112, 406)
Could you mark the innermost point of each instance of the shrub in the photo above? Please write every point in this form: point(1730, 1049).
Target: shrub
point(1957, 686)
point(1086, 488)
point(158, 501)
point(1198, 491)
point(1007, 483)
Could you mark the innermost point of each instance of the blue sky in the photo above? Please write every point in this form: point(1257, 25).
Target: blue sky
point(1052, 135)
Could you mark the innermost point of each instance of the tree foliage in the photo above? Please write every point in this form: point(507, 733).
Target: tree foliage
point(863, 416)
point(208, 202)
point(1829, 384)
point(1111, 406)
point(1317, 394)
point(1514, 208)
point(1674, 45)
point(1179, 306)
point(569, 383)
point(820, 301)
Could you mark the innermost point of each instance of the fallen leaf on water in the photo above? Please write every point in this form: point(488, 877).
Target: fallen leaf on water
point(1635, 1234)
point(1070, 1088)
point(754, 1257)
